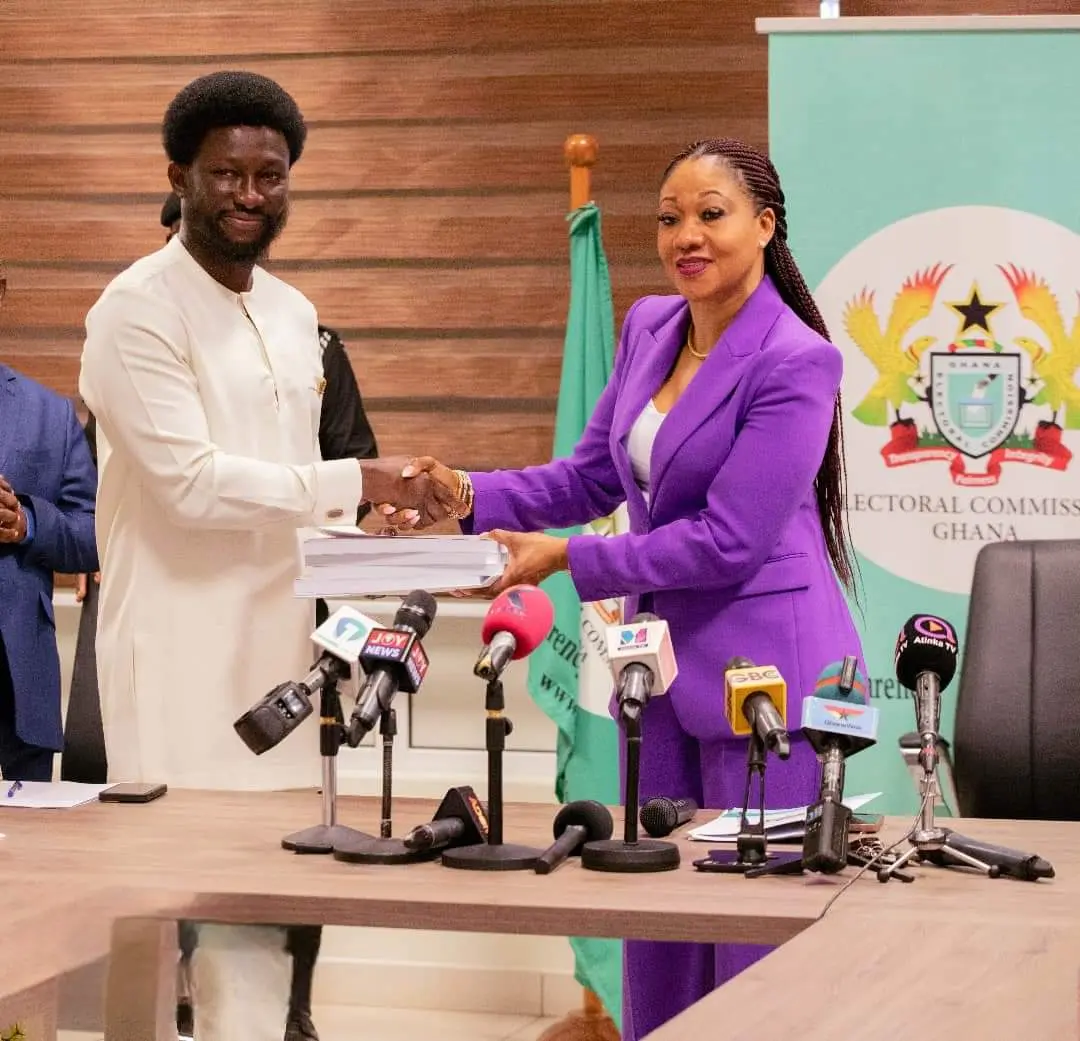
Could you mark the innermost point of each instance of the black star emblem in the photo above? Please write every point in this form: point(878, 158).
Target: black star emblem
point(975, 313)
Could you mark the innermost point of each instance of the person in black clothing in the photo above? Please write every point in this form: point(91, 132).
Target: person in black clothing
point(344, 433)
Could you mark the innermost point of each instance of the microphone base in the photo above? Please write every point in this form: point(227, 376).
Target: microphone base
point(731, 862)
point(364, 849)
point(617, 855)
point(484, 857)
point(322, 838)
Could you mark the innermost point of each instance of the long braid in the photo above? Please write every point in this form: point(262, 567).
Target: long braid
point(762, 183)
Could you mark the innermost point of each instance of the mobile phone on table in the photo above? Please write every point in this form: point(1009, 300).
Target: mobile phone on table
point(866, 822)
point(133, 792)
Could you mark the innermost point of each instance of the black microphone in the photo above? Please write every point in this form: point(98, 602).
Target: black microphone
point(460, 820)
point(394, 659)
point(1025, 866)
point(838, 723)
point(661, 816)
point(575, 824)
point(925, 661)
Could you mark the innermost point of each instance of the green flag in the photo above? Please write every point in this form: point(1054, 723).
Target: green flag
point(568, 675)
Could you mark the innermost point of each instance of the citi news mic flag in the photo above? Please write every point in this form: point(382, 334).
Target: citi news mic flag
point(569, 677)
point(931, 187)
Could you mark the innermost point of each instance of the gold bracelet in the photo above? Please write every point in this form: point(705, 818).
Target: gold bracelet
point(464, 495)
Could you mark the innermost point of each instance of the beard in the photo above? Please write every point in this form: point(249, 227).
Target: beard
point(210, 228)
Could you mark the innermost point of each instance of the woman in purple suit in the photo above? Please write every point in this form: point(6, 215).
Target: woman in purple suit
point(721, 430)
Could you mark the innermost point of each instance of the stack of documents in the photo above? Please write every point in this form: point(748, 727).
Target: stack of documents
point(347, 561)
point(780, 825)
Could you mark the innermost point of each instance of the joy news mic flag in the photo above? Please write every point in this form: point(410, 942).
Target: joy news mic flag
point(568, 674)
point(933, 212)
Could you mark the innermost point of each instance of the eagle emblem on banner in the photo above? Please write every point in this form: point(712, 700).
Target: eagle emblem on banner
point(984, 398)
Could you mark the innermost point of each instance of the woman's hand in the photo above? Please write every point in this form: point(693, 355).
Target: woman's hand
point(533, 557)
point(395, 519)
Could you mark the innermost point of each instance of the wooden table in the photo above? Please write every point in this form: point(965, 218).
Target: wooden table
point(216, 857)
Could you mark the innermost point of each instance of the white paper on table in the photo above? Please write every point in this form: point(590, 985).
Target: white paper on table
point(778, 823)
point(49, 795)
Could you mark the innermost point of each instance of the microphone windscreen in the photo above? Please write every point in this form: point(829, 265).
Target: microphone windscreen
point(827, 686)
point(925, 644)
point(593, 816)
point(523, 611)
point(417, 612)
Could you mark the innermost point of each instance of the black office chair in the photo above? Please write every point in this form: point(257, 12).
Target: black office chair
point(1016, 743)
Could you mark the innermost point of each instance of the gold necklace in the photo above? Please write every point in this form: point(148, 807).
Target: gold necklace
point(691, 348)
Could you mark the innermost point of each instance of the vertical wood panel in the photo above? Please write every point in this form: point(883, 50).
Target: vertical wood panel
point(430, 202)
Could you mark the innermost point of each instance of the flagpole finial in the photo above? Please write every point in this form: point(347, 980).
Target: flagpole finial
point(580, 151)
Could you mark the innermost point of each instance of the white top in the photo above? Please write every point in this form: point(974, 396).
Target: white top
point(640, 445)
point(207, 404)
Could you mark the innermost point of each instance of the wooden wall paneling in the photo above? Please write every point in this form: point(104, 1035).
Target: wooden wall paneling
point(357, 230)
point(507, 370)
point(383, 157)
point(353, 90)
point(122, 28)
point(525, 296)
point(428, 221)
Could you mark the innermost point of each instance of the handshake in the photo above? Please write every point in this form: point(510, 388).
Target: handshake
point(415, 493)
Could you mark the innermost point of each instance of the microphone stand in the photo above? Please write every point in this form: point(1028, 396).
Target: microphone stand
point(795, 863)
point(324, 838)
point(494, 855)
point(631, 854)
point(929, 842)
point(752, 856)
point(364, 849)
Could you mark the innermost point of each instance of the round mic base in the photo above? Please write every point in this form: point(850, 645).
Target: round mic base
point(367, 850)
point(323, 838)
point(630, 857)
point(485, 857)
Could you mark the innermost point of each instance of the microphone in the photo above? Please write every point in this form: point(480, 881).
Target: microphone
point(460, 820)
point(1025, 866)
point(838, 722)
point(642, 661)
point(276, 715)
point(517, 622)
point(925, 661)
point(661, 816)
point(575, 824)
point(755, 700)
point(393, 659)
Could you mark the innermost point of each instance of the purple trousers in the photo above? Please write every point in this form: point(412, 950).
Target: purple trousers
point(660, 979)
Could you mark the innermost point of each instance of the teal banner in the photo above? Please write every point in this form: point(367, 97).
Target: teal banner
point(931, 193)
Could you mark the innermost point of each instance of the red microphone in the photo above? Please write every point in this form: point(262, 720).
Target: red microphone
point(517, 622)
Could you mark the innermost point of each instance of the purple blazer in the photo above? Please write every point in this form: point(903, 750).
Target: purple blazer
point(730, 549)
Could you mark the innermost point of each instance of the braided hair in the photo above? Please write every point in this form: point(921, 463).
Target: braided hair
point(757, 175)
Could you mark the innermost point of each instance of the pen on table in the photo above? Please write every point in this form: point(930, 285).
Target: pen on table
point(14, 788)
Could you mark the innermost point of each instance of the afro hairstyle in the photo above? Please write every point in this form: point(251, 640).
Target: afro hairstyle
point(230, 99)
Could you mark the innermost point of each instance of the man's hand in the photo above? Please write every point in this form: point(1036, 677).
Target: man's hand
point(12, 517)
point(417, 501)
point(82, 585)
point(444, 482)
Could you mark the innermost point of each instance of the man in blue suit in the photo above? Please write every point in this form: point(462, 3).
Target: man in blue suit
point(47, 489)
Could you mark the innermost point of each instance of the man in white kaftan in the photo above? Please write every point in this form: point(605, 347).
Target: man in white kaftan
point(207, 404)
point(205, 376)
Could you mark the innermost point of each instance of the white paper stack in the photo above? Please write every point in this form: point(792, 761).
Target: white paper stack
point(780, 825)
point(347, 561)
